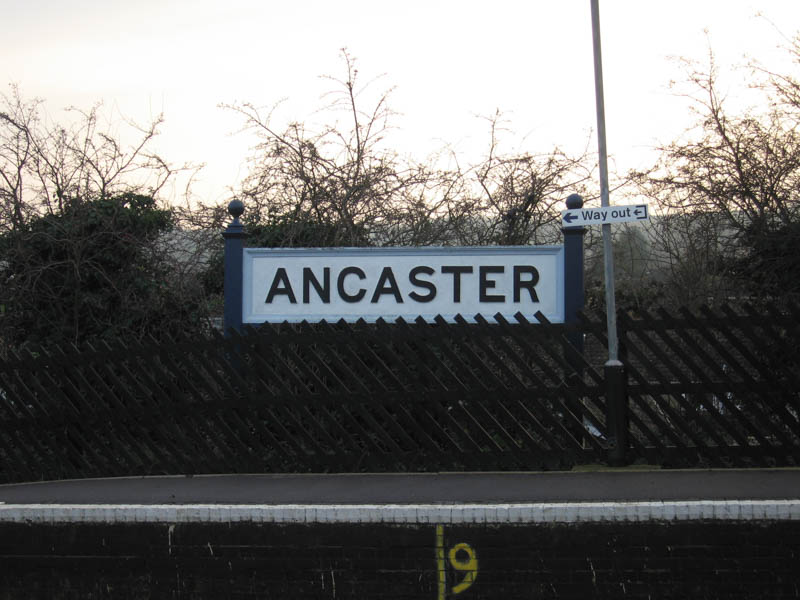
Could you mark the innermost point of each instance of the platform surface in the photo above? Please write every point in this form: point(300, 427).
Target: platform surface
point(429, 488)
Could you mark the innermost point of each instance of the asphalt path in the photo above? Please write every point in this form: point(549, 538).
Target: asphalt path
point(425, 488)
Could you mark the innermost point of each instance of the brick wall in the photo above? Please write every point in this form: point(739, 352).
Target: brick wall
point(243, 560)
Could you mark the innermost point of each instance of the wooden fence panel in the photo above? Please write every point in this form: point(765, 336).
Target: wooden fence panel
point(712, 387)
point(715, 389)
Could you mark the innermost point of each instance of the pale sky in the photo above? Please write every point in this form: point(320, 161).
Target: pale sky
point(448, 60)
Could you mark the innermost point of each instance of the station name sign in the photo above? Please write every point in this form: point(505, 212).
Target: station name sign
point(370, 283)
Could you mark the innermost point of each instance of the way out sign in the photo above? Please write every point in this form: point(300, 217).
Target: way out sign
point(600, 216)
point(295, 284)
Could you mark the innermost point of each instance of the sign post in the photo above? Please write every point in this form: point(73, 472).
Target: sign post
point(574, 299)
point(234, 245)
point(573, 269)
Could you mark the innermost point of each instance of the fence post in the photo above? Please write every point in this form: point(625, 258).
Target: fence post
point(234, 245)
point(616, 413)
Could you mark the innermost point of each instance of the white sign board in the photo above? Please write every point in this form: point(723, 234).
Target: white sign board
point(600, 216)
point(355, 283)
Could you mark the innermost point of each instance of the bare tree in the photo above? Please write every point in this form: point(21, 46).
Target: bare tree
point(45, 165)
point(344, 176)
point(18, 121)
point(348, 177)
point(728, 190)
point(513, 198)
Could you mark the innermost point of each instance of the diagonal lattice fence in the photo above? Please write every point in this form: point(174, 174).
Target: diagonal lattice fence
point(706, 388)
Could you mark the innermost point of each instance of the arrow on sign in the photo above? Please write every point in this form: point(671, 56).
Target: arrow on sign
point(640, 212)
point(569, 217)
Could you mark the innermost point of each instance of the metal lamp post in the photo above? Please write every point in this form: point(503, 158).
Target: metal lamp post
point(616, 396)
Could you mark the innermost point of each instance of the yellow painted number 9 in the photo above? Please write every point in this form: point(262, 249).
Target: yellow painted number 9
point(468, 566)
point(462, 558)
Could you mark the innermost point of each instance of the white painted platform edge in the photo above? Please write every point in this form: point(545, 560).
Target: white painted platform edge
point(567, 512)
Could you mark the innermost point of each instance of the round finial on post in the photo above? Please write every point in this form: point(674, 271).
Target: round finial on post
point(236, 209)
point(574, 201)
